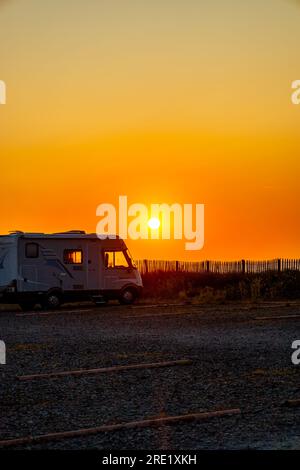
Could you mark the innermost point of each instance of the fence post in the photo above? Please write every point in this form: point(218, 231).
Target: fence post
point(279, 265)
point(243, 266)
point(207, 266)
point(146, 266)
point(177, 266)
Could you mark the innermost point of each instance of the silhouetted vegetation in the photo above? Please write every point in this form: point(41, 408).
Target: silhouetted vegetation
point(212, 287)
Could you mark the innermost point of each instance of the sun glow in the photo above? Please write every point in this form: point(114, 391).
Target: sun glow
point(154, 223)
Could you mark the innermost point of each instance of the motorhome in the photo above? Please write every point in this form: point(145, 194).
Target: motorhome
point(50, 269)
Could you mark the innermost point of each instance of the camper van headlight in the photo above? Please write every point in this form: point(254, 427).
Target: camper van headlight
point(11, 289)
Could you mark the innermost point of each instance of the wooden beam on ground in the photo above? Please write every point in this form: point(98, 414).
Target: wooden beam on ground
point(105, 370)
point(52, 312)
point(158, 315)
point(57, 436)
point(134, 307)
point(292, 403)
point(279, 317)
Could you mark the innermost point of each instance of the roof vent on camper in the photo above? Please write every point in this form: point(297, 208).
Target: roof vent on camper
point(79, 232)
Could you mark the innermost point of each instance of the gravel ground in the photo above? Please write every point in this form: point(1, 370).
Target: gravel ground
point(238, 362)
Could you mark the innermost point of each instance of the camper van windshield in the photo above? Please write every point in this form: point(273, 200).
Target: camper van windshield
point(115, 259)
point(130, 259)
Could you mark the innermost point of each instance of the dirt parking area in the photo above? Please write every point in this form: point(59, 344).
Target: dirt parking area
point(240, 357)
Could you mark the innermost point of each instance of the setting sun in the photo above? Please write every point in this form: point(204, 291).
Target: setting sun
point(153, 223)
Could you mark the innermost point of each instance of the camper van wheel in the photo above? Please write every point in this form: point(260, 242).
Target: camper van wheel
point(52, 301)
point(27, 306)
point(127, 296)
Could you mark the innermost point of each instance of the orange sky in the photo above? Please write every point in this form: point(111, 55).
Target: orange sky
point(164, 101)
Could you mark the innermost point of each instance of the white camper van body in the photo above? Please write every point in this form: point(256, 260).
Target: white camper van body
point(53, 268)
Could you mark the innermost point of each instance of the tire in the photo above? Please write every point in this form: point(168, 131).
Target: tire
point(52, 301)
point(27, 306)
point(127, 296)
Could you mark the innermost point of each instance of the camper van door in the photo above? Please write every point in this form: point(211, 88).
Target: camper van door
point(116, 269)
point(95, 280)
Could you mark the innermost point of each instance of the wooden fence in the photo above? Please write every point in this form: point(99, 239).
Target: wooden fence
point(242, 266)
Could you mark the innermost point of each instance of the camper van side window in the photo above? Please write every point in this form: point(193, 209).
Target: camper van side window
point(73, 256)
point(32, 250)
